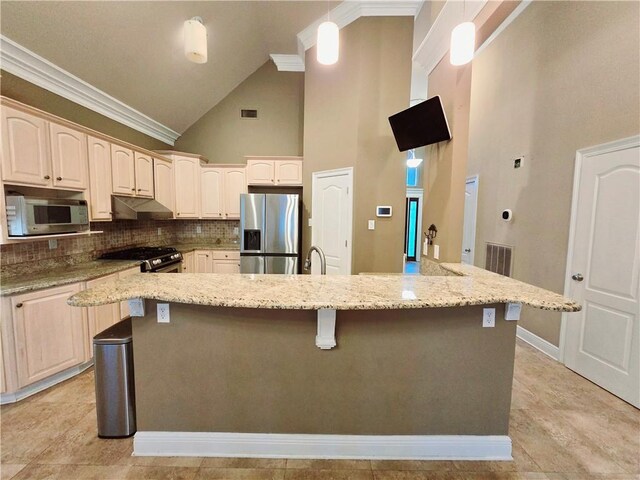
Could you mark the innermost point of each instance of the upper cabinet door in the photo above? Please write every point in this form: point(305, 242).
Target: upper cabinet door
point(68, 157)
point(123, 172)
point(261, 172)
point(100, 178)
point(186, 172)
point(235, 184)
point(289, 172)
point(25, 148)
point(144, 175)
point(212, 192)
point(164, 183)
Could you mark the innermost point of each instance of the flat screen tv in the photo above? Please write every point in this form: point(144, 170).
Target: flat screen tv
point(422, 124)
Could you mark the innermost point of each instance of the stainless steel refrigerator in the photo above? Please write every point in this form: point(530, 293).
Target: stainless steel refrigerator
point(270, 233)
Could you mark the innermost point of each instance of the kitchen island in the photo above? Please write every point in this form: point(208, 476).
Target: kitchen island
point(325, 366)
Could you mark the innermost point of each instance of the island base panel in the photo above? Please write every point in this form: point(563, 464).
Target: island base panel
point(393, 372)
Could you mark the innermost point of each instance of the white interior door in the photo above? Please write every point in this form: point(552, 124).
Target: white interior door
point(602, 341)
point(469, 227)
point(331, 214)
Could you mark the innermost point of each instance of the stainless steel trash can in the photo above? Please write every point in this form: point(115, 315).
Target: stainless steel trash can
point(115, 389)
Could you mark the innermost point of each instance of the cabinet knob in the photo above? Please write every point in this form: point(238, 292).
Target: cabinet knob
point(178, 213)
point(18, 305)
point(226, 255)
point(226, 214)
point(139, 189)
point(47, 177)
point(58, 178)
point(133, 189)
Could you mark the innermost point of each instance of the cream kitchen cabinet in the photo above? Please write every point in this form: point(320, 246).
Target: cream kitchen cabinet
point(124, 306)
point(203, 261)
point(123, 170)
point(188, 263)
point(100, 183)
point(26, 156)
point(164, 183)
point(103, 316)
point(221, 187)
point(143, 175)
point(68, 157)
point(49, 335)
point(274, 171)
point(226, 261)
point(186, 171)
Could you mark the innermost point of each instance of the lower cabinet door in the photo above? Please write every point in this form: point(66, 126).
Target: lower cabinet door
point(49, 334)
point(103, 316)
point(203, 261)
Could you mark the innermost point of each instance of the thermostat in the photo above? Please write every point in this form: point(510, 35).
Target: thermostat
point(384, 211)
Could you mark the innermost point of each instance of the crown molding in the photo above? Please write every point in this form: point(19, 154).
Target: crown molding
point(19, 61)
point(346, 13)
point(436, 42)
point(288, 63)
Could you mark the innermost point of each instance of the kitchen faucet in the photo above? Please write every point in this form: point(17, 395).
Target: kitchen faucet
point(323, 260)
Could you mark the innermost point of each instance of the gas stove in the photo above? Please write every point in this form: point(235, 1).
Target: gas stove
point(154, 259)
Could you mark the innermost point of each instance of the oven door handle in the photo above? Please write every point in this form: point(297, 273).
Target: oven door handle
point(168, 268)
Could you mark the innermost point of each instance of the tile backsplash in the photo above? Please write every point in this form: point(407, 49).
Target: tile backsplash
point(117, 235)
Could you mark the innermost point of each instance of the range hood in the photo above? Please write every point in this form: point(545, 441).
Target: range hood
point(136, 208)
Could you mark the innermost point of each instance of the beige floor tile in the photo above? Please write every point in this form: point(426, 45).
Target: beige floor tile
point(320, 464)
point(8, 471)
point(229, 462)
point(193, 462)
point(29, 428)
point(80, 389)
point(308, 474)
point(80, 445)
point(400, 465)
point(72, 472)
point(240, 474)
point(137, 472)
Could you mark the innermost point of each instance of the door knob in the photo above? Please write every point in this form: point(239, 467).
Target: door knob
point(467, 250)
point(577, 277)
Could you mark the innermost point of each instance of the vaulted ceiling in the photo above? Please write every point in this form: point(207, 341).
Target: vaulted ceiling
point(133, 50)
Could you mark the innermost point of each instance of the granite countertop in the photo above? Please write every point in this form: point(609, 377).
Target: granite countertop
point(467, 286)
point(25, 280)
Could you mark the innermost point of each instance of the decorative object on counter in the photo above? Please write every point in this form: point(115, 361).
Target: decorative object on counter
point(195, 40)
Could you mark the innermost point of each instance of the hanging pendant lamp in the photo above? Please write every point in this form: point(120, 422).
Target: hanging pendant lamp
point(463, 43)
point(328, 43)
point(195, 40)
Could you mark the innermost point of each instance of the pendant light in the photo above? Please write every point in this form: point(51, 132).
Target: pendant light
point(463, 42)
point(412, 161)
point(328, 42)
point(195, 40)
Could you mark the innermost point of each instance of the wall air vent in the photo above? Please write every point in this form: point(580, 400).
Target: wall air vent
point(499, 259)
point(246, 113)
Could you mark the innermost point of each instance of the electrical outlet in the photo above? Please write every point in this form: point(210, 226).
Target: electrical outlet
point(235, 230)
point(488, 317)
point(512, 312)
point(159, 231)
point(372, 224)
point(436, 252)
point(53, 244)
point(310, 223)
point(136, 307)
point(163, 313)
point(198, 228)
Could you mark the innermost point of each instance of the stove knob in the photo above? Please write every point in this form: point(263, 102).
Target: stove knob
point(157, 261)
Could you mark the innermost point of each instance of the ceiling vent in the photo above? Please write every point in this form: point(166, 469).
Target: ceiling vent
point(245, 113)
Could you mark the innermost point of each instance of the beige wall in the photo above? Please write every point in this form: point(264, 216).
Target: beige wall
point(222, 136)
point(26, 92)
point(562, 76)
point(346, 110)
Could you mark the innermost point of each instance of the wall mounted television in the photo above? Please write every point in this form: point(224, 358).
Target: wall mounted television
point(420, 125)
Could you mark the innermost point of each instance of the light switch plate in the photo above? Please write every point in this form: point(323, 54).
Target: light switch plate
point(512, 311)
point(372, 224)
point(53, 243)
point(136, 307)
point(198, 228)
point(310, 223)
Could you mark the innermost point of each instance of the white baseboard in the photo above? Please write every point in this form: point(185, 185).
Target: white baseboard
point(539, 343)
point(43, 384)
point(273, 445)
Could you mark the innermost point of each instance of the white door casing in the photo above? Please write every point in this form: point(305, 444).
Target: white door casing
point(470, 215)
point(332, 214)
point(602, 342)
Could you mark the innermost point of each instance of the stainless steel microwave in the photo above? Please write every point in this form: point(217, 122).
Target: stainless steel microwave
point(28, 216)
